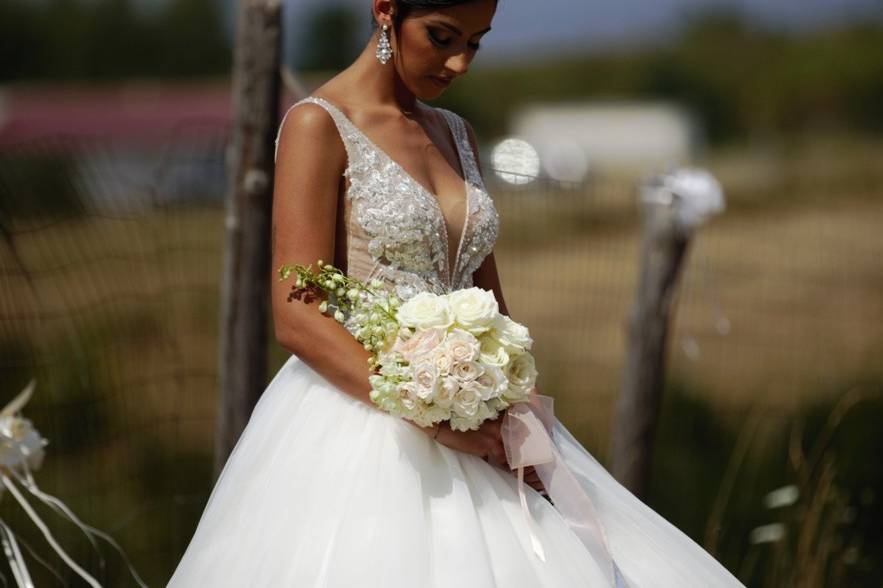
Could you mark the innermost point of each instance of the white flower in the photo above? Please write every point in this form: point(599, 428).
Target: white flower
point(407, 392)
point(447, 389)
point(522, 374)
point(426, 380)
point(425, 310)
point(466, 402)
point(473, 422)
point(514, 336)
point(494, 381)
point(419, 344)
point(467, 370)
point(480, 389)
point(443, 360)
point(462, 345)
point(474, 309)
point(493, 352)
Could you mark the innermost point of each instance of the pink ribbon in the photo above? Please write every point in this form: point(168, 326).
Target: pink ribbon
point(527, 438)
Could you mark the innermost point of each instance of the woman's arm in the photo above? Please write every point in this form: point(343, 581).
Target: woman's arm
point(486, 276)
point(308, 178)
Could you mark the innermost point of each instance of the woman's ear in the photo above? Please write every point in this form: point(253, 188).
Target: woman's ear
point(384, 10)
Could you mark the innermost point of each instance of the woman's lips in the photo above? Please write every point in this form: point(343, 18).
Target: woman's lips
point(443, 82)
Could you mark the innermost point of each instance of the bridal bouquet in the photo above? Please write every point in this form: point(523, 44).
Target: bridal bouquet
point(434, 357)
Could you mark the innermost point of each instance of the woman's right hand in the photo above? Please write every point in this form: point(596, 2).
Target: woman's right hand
point(486, 442)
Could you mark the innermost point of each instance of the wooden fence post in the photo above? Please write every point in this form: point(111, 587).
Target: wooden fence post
point(672, 206)
point(245, 288)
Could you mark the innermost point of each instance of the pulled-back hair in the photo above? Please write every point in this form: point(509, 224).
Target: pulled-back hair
point(406, 7)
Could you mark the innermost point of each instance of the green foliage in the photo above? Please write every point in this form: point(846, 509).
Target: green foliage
point(738, 81)
point(826, 451)
point(105, 39)
point(329, 39)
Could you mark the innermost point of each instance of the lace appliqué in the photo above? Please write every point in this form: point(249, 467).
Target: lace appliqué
point(408, 235)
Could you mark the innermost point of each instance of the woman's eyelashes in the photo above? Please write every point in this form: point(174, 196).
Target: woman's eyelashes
point(444, 42)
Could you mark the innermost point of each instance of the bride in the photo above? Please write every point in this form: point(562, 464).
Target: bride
point(323, 489)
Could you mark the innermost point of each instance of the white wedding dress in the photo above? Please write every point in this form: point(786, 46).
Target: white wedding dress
point(323, 490)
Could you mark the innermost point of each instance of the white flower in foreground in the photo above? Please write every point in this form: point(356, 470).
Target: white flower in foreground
point(447, 389)
point(522, 376)
point(442, 359)
point(467, 370)
point(494, 381)
point(426, 380)
point(407, 392)
point(513, 335)
point(419, 344)
point(474, 309)
point(425, 310)
point(493, 352)
point(462, 345)
point(466, 402)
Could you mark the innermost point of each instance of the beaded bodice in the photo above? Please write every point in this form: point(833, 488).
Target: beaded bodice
point(396, 230)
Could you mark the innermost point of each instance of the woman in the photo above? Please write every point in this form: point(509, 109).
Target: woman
point(324, 489)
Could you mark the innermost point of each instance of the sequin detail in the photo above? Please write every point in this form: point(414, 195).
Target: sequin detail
point(408, 238)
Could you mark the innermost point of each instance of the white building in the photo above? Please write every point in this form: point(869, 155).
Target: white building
point(575, 140)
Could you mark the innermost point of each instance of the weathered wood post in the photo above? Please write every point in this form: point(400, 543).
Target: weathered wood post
point(245, 288)
point(672, 207)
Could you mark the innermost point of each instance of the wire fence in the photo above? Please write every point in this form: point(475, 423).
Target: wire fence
point(109, 296)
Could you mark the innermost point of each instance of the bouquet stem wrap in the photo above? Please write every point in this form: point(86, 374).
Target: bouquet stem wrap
point(526, 431)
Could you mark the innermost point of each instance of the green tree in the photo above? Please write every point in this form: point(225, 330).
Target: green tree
point(330, 39)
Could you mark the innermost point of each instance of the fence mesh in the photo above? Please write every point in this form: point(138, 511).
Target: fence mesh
point(109, 296)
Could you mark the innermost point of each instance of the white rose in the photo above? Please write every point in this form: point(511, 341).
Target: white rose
point(462, 345)
point(472, 422)
point(408, 398)
point(425, 310)
point(474, 309)
point(483, 391)
point(513, 335)
point(494, 381)
point(467, 370)
point(442, 360)
point(447, 389)
point(493, 352)
point(419, 344)
point(425, 379)
point(466, 402)
point(522, 374)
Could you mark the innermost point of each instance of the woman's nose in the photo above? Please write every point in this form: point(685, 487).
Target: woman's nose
point(459, 64)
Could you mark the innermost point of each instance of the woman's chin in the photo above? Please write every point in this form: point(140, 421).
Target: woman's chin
point(432, 89)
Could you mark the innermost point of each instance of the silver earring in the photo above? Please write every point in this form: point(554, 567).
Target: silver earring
point(384, 49)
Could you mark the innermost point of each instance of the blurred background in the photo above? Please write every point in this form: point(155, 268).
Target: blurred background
point(114, 118)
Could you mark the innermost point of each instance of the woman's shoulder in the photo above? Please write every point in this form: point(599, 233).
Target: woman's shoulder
point(307, 124)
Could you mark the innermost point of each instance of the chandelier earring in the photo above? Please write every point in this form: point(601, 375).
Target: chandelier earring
point(384, 49)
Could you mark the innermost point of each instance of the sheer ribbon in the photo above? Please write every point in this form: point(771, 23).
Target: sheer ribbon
point(527, 437)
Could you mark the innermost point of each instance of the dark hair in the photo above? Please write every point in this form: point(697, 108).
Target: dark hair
point(406, 7)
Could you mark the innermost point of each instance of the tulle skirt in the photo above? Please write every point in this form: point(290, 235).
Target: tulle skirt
point(322, 490)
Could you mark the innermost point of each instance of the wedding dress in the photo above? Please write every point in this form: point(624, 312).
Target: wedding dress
point(323, 490)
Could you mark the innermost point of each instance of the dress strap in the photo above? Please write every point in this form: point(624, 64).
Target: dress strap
point(344, 127)
point(464, 147)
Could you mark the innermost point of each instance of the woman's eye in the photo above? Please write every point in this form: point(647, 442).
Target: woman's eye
point(437, 40)
point(445, 42)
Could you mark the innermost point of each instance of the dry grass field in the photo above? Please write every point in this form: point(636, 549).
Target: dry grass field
point(780, 306)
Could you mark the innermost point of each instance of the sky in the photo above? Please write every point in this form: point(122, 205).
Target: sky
point(525, 30)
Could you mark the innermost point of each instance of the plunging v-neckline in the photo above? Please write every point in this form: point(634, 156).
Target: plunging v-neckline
point(449, 268)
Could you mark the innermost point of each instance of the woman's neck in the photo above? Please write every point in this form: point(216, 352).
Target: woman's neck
point(379, 84)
